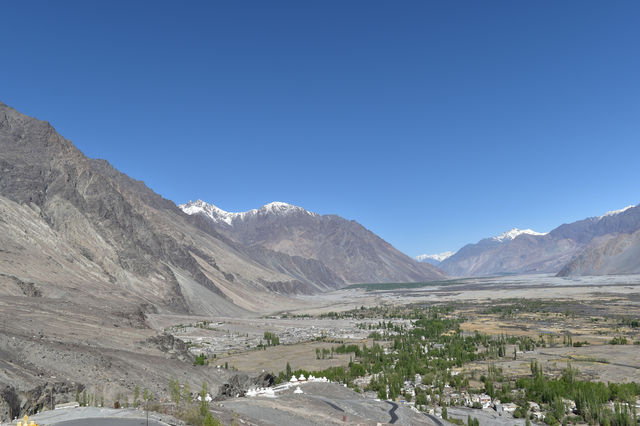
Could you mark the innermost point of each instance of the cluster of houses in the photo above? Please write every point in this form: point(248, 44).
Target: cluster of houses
point(472, 400)
point(449, 397)
point(211, 339)
point(484, 401)
point(292, 335)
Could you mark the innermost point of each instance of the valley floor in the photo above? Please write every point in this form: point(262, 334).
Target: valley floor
point(52, 344)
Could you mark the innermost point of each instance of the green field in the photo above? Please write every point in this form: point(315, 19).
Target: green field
point(396, 286)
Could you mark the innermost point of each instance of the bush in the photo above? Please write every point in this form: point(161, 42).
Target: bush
point(201, 360)
point(619, 340)
point(210, 421)
point(520, 413)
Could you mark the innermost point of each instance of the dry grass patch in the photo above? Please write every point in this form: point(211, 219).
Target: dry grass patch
point(275, 358)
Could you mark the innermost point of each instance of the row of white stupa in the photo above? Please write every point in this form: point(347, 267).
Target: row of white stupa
point(271, 392)
point(310, 379)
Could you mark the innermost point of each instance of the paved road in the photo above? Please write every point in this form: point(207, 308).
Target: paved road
point(331, 404)
point(108, 422)
point(436, 420)
point(392, 412)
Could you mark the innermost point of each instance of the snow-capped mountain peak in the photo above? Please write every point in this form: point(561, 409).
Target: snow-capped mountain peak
point(615, 212)
point(218, 215)
point(215, 213)
point(513, 233)
point(279, 207)
point(437, 257)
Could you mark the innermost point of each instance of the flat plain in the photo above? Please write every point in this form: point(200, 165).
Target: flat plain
point(592, 312)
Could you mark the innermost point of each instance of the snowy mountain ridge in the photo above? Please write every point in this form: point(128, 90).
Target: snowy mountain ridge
point(515, 232)
point(436, 257)
point(614, 212)
point(221, 216)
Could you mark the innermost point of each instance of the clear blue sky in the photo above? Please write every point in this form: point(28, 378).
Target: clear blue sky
point(433, 123)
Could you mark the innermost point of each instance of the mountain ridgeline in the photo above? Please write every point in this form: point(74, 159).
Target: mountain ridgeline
point(76, 228)
point(353, 253)
point(608, 244)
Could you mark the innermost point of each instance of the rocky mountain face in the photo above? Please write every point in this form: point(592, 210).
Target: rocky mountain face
point(608, 255)
point(75, 227)
point(89, 258)
point(346, 248)
point(527, 251)
point(86, 255)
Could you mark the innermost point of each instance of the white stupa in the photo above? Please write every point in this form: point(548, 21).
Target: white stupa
point(298, 390)
point(293, 379)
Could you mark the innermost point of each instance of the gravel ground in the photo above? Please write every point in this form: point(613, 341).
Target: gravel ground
point(487, 417)
point(323, 404)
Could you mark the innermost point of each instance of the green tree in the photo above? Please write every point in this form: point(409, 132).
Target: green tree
point(186, 392)
point(558, 408)
point(210, 421)
point(174, 390)
point(136, 396)
point(204, 405)
point(201, 360)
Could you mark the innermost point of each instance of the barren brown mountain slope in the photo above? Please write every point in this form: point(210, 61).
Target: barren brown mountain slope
point(87, 253)
point(352, 252)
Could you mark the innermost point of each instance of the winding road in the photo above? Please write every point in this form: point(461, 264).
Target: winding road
point(436, 420)
point(392, 412)
point(331, 404)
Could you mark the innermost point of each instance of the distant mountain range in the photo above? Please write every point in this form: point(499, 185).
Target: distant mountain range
point(350, 251)
point(75, 228)
point(605, 244)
